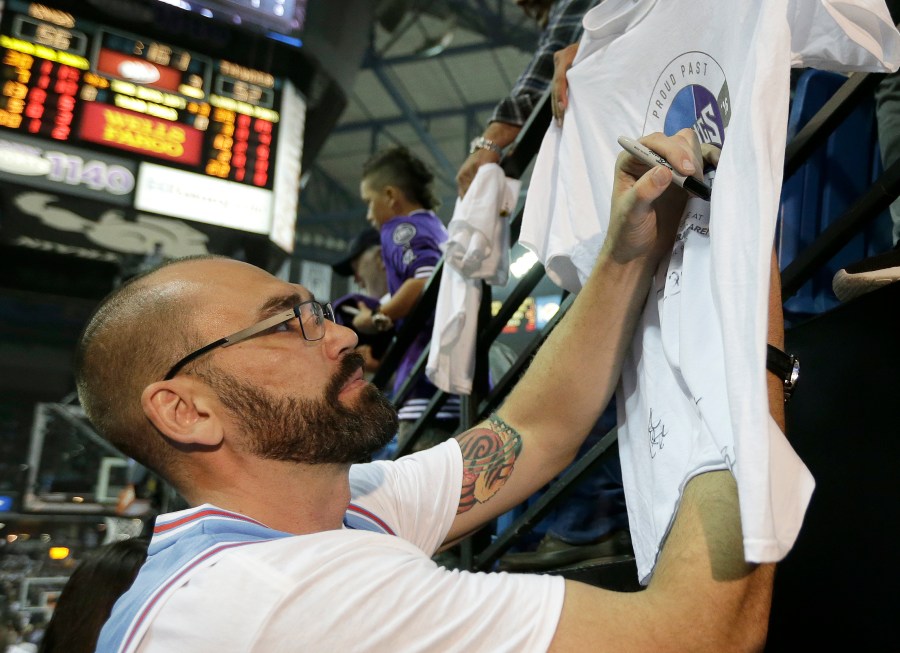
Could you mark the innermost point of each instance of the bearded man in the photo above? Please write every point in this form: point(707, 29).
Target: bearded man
point(290, 546)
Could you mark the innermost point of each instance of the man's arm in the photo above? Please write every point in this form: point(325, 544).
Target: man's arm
point(703, 596)
point(774, 384)
point(396, 308)
point(540, 427)
point(559, 95)
point(563, 27)
point(501, 134)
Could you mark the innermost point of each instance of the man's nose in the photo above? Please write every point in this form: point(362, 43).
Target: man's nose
point(339, 339)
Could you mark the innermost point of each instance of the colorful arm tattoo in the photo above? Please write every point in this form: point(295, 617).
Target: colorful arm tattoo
point(489, 455)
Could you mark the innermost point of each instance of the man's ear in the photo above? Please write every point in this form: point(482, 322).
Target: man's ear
point(184, 410)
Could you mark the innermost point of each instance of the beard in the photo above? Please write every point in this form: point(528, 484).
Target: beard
point(309, 431)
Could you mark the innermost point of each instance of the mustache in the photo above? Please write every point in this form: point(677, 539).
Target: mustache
point(350, 364)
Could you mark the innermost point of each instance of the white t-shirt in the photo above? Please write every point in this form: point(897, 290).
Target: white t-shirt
point(693, 393)
point(478, 248)
point(353, 590)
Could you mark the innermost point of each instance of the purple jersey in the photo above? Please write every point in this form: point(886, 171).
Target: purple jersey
point(411, 248)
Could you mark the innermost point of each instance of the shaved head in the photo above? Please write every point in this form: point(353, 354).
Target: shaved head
point(143, 328)
point(134, 336)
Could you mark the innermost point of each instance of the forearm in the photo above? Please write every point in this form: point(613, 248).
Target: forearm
point(501, 133)
point(404, 300)
point(396, 308)
point(578, 367)
point(774, 385)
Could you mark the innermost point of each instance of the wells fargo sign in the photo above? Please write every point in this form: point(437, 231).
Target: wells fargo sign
point(127, 130)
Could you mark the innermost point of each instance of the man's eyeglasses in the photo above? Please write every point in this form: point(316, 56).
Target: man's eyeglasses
point(311, 316)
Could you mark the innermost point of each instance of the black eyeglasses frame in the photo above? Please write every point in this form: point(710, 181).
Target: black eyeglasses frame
point(323, 310)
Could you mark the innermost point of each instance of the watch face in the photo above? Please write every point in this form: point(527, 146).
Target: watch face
point(381, 322)
point(482, 143)
point(795, 371)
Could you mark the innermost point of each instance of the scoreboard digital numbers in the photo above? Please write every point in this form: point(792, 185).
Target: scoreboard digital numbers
point(72, 81)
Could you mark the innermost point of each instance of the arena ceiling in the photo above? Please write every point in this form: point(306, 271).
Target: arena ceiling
point(432, 74)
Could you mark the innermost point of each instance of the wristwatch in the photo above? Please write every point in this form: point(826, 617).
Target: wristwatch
point(381, 322)
point(482, 143)
point(785, 366)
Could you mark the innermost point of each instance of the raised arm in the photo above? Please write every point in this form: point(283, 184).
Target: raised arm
point(703, 596)
point(540, 427)
point(562, 61)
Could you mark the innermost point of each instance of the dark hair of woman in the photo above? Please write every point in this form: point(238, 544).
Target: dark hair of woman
point(397, 166)
point(87, 599)
point(539, 10)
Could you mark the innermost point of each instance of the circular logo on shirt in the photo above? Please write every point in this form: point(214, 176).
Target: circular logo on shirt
point(691, 92)
point(404, 233)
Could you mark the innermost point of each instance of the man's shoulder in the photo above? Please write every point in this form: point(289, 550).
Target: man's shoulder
point(364, 477)
point(414, 497)
point(299, 556)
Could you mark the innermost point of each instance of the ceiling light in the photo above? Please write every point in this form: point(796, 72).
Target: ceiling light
point(520, 267)
point(434, 46)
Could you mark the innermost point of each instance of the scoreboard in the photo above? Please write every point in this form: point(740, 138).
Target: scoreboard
point(184, 134)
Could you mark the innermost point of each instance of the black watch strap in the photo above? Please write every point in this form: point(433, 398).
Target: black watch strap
point(785, 366)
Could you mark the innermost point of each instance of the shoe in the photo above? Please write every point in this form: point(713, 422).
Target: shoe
point(867, 275)
point(553, 553)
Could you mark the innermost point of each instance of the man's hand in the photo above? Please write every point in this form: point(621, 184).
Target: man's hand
point(646, 207)
point(559, 87)
point(499, 133)
point(362, 321)
point(470, 166)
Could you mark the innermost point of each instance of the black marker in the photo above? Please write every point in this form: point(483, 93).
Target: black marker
point(651, 158)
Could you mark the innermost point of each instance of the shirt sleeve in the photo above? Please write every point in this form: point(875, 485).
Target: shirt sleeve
point(563, 29)
point(867, 36)
point(415, 497)
point(414, 248)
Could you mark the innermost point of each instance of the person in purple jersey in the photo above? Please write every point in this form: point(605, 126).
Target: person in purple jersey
point(397, 188)
point(364, 263)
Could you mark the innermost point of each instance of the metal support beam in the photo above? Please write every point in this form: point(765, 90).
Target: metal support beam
point(70, 414)
point(868, 207)
point(445, 170)
point(467, 110)
point(372, 61)
point(498, 25)
point(826, 119)
point(324, 194)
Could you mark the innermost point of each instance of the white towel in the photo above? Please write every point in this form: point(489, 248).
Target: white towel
point(477, 250)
